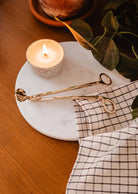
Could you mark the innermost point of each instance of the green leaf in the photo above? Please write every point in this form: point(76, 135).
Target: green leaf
point(82, 28)
point(107, 53)
point(135, 103)
point(110, 22)
point(128, 67)
point(113, 4)
point(82, 40)
point(135, 113)
point(134, 106)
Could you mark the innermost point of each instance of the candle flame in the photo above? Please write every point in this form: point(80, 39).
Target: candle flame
point(45, 51)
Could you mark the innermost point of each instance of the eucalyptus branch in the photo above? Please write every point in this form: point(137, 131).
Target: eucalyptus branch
point(133, 49)
point(101, 37)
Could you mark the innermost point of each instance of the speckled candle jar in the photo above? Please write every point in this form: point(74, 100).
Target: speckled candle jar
point(49, 65)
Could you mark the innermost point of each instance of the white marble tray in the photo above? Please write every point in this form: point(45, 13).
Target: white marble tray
point(56, 118)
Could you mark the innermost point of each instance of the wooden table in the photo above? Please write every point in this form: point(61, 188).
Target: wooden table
point(29, 161)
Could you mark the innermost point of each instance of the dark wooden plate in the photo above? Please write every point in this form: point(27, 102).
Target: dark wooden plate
point(40, 14)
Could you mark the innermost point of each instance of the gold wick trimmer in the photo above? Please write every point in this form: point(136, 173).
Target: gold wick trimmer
point(104, 79)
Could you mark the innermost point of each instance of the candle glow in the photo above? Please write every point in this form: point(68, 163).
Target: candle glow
point(45, 50)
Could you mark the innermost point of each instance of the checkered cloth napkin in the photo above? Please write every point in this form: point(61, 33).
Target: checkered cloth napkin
point(107, 160)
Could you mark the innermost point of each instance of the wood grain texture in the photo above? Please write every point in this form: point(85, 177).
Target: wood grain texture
point(29, 161)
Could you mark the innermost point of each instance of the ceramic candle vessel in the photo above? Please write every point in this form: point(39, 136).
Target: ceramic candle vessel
point(63, 9)
point(45, 57)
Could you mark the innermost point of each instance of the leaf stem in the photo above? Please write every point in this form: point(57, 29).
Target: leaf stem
point(113, 35)
point(125, 32)
point(120, 35)
point(133, 49)
point(132, 46)
point(100, 37)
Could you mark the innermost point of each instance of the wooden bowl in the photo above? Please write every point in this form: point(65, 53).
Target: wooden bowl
point(41, 16)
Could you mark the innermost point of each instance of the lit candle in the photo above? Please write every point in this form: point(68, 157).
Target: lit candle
point(45, 57)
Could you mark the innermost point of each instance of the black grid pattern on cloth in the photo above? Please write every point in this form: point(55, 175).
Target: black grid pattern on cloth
point(107, 160)
point(107, 163)
point(91, 119)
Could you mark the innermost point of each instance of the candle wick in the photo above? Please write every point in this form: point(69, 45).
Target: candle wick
point(45, 54)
